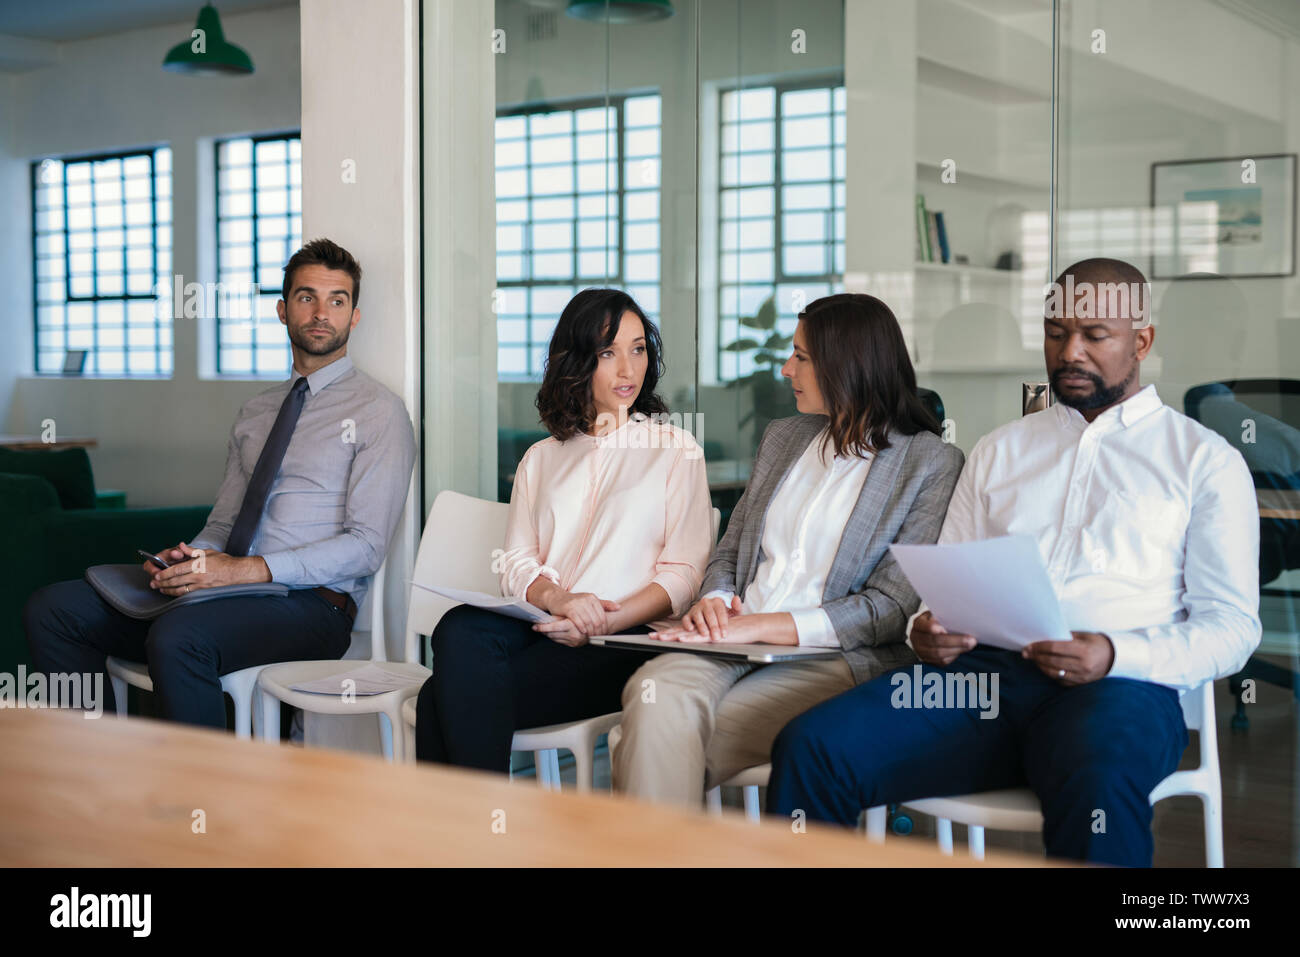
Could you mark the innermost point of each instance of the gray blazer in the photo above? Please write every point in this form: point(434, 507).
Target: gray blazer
point(867, 597)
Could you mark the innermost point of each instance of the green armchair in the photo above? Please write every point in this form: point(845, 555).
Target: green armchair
point(53, 526)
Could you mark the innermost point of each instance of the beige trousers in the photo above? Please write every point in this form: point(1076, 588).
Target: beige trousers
point(692, 721)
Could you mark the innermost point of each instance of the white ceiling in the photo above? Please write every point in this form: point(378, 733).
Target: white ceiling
point(65, 20)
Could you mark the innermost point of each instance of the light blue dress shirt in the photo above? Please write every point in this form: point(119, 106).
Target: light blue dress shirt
point(338, 497)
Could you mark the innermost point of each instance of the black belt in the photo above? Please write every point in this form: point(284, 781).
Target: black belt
point(342, 602)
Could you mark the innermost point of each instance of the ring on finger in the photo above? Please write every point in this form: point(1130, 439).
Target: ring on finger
point(1061, 673)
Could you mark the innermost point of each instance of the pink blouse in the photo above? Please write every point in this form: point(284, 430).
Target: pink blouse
point(610, 514)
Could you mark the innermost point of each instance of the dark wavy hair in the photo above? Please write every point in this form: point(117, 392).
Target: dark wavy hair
point(864, 373)
point(587, 326)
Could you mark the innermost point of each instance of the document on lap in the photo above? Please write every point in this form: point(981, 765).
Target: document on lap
point(996, 590)
point(510, 607)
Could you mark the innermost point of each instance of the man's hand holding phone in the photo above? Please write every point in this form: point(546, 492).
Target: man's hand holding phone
point(192, 568)
point(154, 562)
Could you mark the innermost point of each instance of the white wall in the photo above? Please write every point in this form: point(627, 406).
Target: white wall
point(163, 441)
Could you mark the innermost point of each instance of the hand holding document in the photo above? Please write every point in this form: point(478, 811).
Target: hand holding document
point(996, 590)
point(510, 607)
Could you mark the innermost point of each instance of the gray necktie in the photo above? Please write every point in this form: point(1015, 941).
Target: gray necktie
point(264, 473)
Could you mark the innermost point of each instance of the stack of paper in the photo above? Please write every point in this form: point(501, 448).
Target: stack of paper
point(510, 607)
point(996, 590)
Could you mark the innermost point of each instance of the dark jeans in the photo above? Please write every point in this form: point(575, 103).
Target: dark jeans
point(494, 675)
point(1100, 747)
point(70, 629)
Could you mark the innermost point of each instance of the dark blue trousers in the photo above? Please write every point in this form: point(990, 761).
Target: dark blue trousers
point(70, 629)
point(493, 675)
point(1092, 753)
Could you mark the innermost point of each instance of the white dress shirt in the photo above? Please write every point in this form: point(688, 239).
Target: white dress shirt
point(801, 534)
point(611, 514)
point(1147, 523)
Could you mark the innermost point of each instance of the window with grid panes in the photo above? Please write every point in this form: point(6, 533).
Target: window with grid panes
point(101, 239)
point(781, 209)
point(577, 206)
point(259, 226)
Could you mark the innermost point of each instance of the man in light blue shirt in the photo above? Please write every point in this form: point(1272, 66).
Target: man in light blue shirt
point(317, 473)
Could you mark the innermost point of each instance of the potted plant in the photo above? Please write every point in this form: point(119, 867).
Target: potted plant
point(770, 398)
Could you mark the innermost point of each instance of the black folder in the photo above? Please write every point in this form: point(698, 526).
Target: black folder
point(126, 588)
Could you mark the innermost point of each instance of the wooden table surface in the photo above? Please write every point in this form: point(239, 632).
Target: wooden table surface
point(122, 792)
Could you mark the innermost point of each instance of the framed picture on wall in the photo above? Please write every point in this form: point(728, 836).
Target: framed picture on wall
point(1233, 217)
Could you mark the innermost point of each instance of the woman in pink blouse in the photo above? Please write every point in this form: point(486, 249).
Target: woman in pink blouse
point(610, 529)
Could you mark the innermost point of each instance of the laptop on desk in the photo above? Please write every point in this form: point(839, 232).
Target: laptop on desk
point(757, 653)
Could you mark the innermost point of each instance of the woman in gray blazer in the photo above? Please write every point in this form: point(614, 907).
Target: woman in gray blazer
point(805, 560)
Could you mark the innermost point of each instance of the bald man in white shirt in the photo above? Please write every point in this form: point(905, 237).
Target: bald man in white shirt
point(1148, 526)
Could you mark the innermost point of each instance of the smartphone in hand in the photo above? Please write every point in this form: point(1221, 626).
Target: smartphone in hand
point(150, 557)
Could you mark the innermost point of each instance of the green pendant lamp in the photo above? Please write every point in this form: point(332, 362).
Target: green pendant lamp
point(206, 52)
point(621, 11)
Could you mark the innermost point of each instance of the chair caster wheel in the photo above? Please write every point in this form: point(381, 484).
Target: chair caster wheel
point(902, 824)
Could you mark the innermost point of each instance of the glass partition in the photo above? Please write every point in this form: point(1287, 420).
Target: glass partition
point(1177, 152)
point(736, 159)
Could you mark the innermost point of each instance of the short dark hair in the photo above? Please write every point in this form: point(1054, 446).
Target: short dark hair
point(864, 373)
point(1102, 269)
point(588, 324)
point(327, 253)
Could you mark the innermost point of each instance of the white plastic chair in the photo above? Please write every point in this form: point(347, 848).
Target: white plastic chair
point(276, 682)
point(240, 685)
point(475, 526)
point(546, 743)
point(751, 779)
point(1017, 809)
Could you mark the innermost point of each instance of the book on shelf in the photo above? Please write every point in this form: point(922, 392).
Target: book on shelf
point(932, 230)
point(923, 252)
point(943, 235)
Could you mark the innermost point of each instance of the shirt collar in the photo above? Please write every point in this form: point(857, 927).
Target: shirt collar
point(324, 375)
point(1129, 412)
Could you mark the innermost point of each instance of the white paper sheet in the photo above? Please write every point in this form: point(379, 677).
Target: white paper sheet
point(510, 607)
point(367, 679)
point(996, 590)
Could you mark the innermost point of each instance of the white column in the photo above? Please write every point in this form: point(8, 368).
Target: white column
point(360, 187)
point(880, 38)
point(460, 335)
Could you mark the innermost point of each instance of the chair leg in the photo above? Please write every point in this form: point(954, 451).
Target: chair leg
point(243, 716)
point(553, 759)
point(975, 840)
point(270, 721)
point(542, 762)
point(751, 802)
point(877, 821)
point(395, 738)
point(408, 742)
point(583, 765)
point(119, 694)
point(387, 737)
point(1213, 831)
point(943, 827)
point(713, 800)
